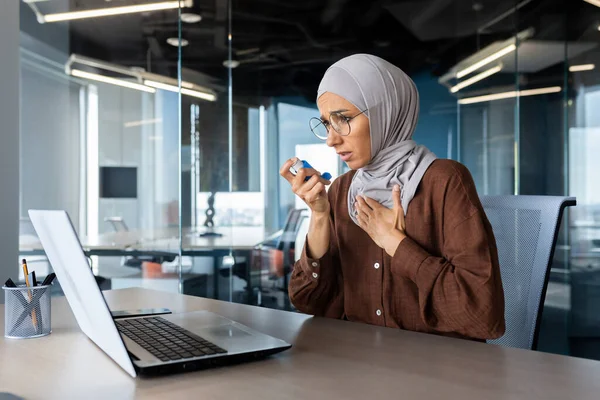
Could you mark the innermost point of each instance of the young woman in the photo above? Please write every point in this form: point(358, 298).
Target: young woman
point(402, 239)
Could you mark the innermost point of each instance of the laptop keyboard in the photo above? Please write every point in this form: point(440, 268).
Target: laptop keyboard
point(165, 340)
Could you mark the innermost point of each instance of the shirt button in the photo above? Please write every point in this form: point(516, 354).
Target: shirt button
point(376, 265)
point(378, 312)
point(315, 264)
point(315, 275)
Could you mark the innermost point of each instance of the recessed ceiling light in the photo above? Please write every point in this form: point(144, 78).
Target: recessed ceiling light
point(173, 41)
point(191, 18)
point(231, 63)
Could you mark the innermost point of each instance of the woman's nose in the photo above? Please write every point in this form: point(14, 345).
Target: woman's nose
point(333, 138)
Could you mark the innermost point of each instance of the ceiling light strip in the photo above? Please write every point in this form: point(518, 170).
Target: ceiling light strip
point(582, 67)
point(593, 2)
point(185, 91)
point(476, 78)
point(489, 59)
point(508, 95)
point(113, 81)
point(111, 11)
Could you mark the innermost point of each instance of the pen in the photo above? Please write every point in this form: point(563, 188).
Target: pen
point(25, 271)
point(9, 283)
point(49, 278)
point(28, 283)
point(32, 279)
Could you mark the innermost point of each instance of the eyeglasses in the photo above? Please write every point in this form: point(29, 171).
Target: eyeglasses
point(338, 121)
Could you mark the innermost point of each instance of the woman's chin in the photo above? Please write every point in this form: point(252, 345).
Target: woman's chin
point(354, 164)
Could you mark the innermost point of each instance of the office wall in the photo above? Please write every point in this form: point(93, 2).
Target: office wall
point(50, 142)
point(137, 129)
point(9, 139)
point(50, 36)
point(437, 127)
point(50, 156)
point(543, 143)
point(119, 145)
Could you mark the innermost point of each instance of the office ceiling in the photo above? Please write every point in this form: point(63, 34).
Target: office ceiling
point(284, 46)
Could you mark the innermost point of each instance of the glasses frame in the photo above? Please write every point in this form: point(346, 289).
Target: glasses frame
point(328, 125)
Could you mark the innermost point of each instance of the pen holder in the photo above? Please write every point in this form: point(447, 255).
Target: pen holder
point(27, 312)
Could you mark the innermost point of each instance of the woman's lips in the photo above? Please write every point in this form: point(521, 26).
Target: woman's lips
point(345, 156)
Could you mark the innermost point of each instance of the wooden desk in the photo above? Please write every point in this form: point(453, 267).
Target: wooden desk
point(330, 359)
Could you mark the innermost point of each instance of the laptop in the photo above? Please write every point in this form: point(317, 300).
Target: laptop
point(143, 345)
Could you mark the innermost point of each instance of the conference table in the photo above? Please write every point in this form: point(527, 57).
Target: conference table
point(164, 243)
point(142, 241)
point(330, 359)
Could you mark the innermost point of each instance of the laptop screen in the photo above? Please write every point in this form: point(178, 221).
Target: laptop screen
point(63, 249)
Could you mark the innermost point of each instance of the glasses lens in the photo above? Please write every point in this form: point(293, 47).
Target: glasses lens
point(316, 125)
point(340, 124)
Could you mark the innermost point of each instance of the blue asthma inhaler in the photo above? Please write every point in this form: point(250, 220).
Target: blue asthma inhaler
point(304, 164)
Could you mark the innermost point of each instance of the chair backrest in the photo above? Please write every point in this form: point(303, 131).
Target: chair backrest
point(301, 237)
point(118, 224)
point(290, 227)
point(288, 238)
point(526, 229)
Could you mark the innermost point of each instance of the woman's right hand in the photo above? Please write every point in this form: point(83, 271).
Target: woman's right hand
point(312, 192)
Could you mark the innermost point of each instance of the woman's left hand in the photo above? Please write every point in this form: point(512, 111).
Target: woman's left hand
point(386, 227)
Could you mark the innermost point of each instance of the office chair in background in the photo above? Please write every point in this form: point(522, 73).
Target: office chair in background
point(526, 229)
point(275, 259)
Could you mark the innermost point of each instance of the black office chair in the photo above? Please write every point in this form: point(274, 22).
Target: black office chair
point(273, 287)
point(526, 229)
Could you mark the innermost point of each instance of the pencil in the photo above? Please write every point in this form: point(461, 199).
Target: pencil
point(26, 273)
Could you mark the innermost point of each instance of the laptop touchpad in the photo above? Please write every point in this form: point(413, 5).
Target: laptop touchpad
point(226, 332)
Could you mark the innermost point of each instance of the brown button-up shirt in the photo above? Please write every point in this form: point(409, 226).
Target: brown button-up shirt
point(444, 277)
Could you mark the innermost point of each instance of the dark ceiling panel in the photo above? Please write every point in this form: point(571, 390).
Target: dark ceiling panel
point(285, 46)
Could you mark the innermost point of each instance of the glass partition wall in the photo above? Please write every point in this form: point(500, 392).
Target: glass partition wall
point(526, 110)
point(164, 130)
point(100, 135)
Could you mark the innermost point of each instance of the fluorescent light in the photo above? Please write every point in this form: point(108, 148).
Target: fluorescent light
point(191, 18)
point(487, 60)
point(200, 95)
point(582, 67)
point(104, 12)
point(176, 42)
point(160, 85)
point(476, 78)
point(231, 63)
point(185, 91)
point(132, 124)
point(112, 81)
point(508, 95)
point(593, 2)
